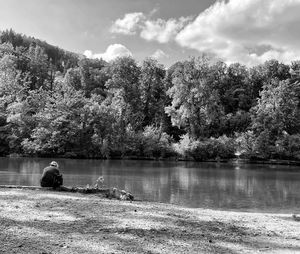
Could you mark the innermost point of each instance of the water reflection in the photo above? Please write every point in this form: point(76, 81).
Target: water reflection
point(210, 185)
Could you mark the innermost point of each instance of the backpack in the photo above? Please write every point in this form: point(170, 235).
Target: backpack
point(57, 180)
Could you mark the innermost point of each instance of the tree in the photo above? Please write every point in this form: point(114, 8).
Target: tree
point(39, 68)
point(278, 108)
point(11, 37)
point(93, 76)
point(236, 94)
point(153, 93)
point(274, 70)
point(123, 88)
point(104, 121)
point(21, 115)
point(13, 92)
point(61, 124)
point(195, 104)
point(276, 113)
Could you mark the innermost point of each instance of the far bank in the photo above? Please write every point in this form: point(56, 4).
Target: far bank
point(234, 160)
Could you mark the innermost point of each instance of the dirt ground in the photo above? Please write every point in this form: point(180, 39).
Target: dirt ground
point(40, 221)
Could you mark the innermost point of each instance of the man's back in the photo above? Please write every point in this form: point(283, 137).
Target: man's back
point(51, 177)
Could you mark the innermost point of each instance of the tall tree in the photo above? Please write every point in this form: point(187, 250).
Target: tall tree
point(61, 123)
point(276, 114)
point(38, 67)
point(153, 92)
point(13, 92)
point(123, 87)
point(195, 105)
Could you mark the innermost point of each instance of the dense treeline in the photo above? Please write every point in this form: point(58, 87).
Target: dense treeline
point(57, 103)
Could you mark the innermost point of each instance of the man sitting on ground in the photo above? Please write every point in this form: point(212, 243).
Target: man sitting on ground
point(51, 176)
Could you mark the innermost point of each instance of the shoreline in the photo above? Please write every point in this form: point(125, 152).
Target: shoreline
point(45, 221)
point(230, 160)
point(106, 193)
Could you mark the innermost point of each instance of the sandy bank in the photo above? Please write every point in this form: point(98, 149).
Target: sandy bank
point(37, 221)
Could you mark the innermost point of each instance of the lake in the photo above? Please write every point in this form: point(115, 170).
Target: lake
point(249, 187)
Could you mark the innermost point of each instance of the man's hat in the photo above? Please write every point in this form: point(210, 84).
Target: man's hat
point(54, 164)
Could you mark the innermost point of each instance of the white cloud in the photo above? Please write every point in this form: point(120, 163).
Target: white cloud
point(159, 54)
point(129, 24)
point(88, 53)
point(113, 51)
point(152, 30)
point(162, 30)
point(248, 31)
point(237, 30)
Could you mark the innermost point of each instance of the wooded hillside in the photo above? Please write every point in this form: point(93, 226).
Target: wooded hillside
point(57, 103)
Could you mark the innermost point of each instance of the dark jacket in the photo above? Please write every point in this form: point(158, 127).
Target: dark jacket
point(51, 177)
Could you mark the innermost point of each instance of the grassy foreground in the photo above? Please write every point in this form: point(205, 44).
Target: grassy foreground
point(40, 221)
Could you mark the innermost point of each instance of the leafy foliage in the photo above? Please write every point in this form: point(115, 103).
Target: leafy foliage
point(57, 103)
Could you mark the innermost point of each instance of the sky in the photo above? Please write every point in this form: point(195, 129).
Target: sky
point(245, 31)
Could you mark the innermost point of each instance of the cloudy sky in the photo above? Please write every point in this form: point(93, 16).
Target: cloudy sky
point(246, 31)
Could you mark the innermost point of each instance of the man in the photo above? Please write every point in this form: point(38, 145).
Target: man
point(51, 176)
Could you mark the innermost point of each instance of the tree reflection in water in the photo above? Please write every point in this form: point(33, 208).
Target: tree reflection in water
point(191, 184)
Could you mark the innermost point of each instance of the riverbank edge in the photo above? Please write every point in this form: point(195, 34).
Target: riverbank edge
point(217, 160)
point(48, 221)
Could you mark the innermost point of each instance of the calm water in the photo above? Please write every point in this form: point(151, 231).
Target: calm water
point(209, 185)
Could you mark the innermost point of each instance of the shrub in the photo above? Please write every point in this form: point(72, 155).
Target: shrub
point(245, 144)
point(155, 142)
point(288, 147)
point(186, 146)
point(212, 148)
point(151, 142)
